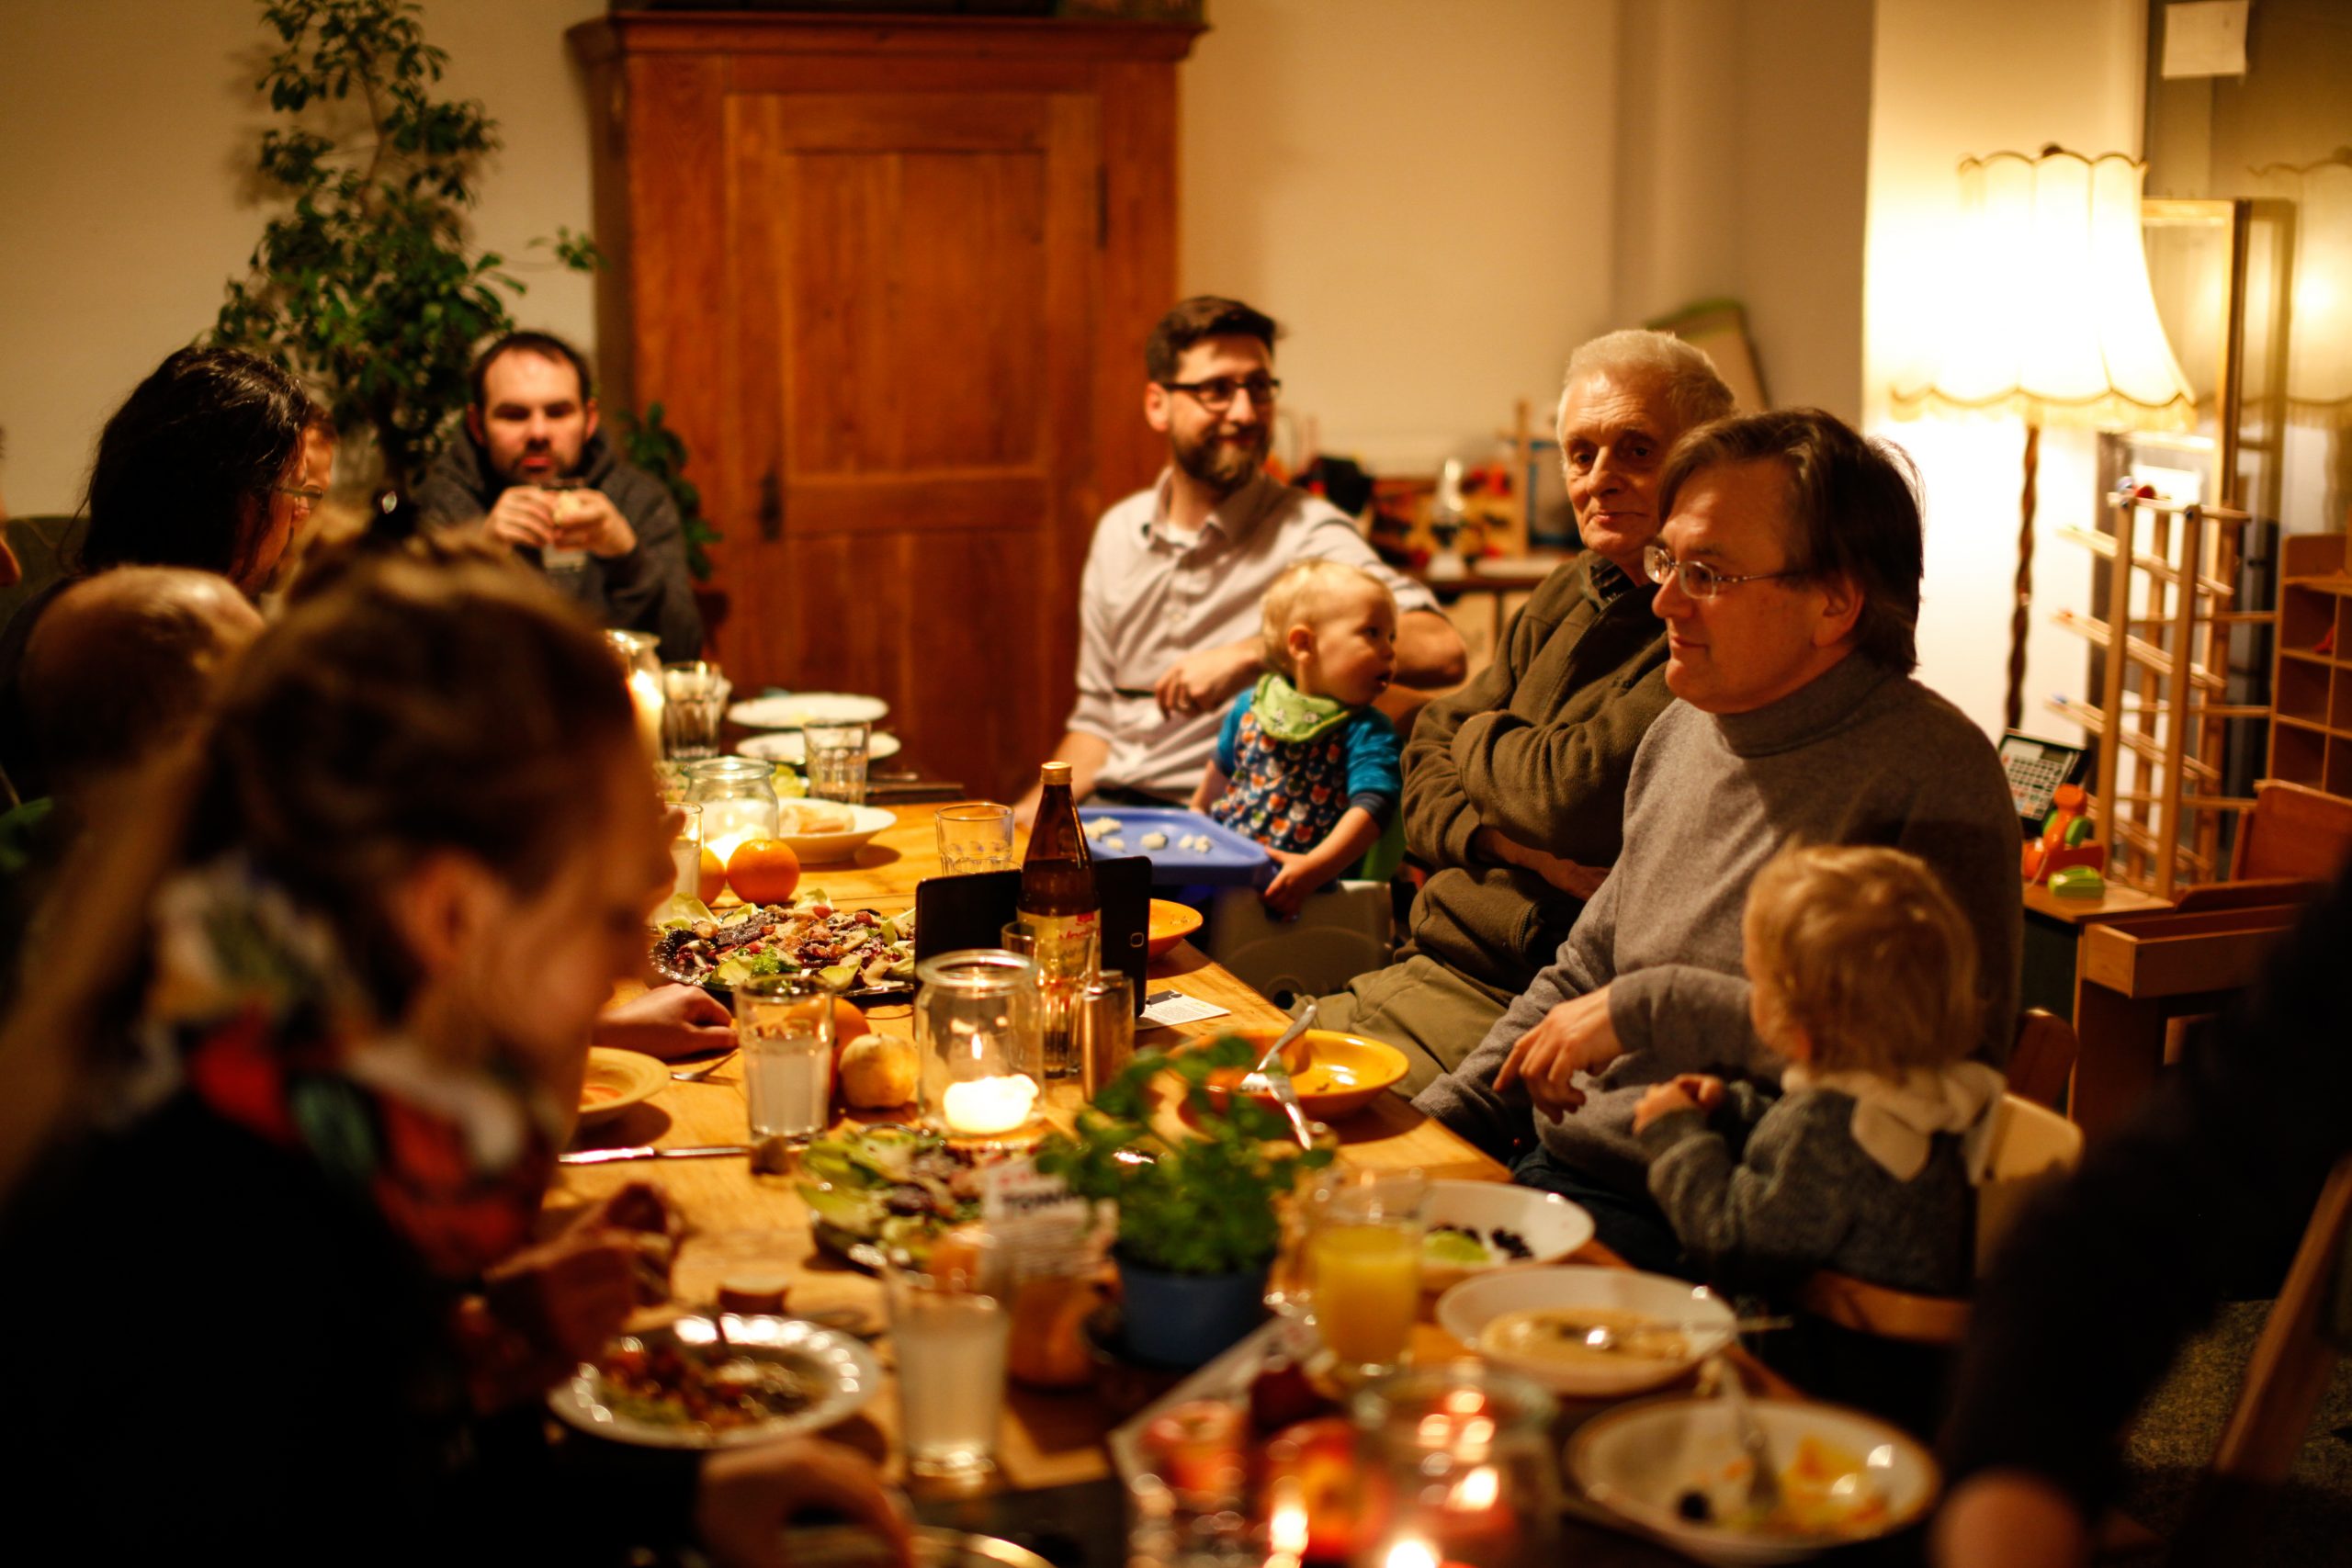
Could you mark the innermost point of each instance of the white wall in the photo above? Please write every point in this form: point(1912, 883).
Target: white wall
point(128, 133)
point(1439, 213)
point(1949, 81)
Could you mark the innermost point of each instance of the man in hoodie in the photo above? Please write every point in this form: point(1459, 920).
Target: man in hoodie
point(546, 483)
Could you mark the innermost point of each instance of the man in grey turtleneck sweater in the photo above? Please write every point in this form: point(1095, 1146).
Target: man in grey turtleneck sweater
point(1791, 563)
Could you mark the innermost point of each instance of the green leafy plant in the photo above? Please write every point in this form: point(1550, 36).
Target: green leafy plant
point(1203, 1204)
point(366, 284)
point(661, 452)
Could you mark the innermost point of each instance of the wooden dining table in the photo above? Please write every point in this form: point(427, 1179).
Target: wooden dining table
point(1047, 1440)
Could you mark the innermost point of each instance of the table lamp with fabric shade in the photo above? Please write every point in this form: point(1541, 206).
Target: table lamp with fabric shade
point(2056, 324)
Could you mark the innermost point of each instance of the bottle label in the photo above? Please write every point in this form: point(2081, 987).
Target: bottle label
point(1068, 946)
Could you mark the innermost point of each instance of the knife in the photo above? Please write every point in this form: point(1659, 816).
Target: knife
point(646, 1151)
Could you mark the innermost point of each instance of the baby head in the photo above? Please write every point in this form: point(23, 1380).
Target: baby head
point(1331, 628)
point(1857, 961)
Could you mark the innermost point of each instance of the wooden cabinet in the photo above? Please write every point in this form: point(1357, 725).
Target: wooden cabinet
point(2311, 693)
point(891, 278)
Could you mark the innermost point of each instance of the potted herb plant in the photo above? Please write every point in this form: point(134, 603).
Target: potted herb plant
point(1197, 1225)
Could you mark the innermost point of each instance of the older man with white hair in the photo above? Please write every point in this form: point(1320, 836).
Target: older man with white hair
point(1515, 785)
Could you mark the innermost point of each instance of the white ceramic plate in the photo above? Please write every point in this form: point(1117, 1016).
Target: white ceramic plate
point(1550, 1225)
point(841, 1371)
point(1637, 1461)
point(819, 849)
point(1466, 1309)
point(791, 745)
point(616, 1080)
point(790, 710)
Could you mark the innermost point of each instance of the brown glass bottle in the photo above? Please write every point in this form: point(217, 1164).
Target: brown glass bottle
point(1057, 898)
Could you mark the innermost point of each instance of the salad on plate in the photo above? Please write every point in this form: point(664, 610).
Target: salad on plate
point(852, 949)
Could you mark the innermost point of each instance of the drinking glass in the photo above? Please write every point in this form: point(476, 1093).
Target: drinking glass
point(1468, 1456)
point(837, 755)
point(950, 1319)
point(564, 499)
point(685, 850)
point(784, 1023)
point(1363, 1265)
point(977, 836)
point(1060, 972)
point(697, 703)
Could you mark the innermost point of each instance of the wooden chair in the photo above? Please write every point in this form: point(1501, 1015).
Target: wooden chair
point(2290, 845)
point(2043, 1057)
point(2031, 1143)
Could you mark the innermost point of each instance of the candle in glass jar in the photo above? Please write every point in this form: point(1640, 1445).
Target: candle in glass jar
point(981, 1107)
point(645, 694)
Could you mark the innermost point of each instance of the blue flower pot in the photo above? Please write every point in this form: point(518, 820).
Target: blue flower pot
point(1183, 1320)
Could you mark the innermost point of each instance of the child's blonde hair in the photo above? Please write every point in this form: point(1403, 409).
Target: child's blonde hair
point(1864, 950)
point(1289, 601)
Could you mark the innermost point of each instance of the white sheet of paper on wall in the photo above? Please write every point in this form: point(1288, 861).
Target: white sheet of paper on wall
point(2205, 38)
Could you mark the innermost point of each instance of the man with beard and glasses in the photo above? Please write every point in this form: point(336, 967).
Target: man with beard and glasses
point(548, 485)
point(1168, 608)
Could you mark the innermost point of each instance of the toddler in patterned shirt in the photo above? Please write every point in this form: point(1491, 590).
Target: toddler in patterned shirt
point(1305, 763)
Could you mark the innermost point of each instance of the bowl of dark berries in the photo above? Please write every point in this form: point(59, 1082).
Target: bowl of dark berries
point(1470, 1227)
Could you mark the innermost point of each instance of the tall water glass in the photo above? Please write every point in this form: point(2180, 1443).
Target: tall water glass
point(784, 1024)
point(950, 1320)
point(696, 703)
point(837, 756)
point(974, 836)
point(685, 850)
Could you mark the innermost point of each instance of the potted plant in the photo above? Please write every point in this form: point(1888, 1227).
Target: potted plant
point(1197, 1225)
point(366, 282)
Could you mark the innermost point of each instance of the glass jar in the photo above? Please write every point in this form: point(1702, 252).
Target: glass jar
point(641, 663)
point(1465, 1452)
point(738, 799)
point(976, 1025)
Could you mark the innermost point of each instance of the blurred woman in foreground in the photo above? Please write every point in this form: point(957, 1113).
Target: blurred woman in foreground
point(388, 887)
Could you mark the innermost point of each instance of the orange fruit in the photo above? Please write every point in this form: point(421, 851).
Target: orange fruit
point(764, 871)
point(848, 1023)
point(714, 878)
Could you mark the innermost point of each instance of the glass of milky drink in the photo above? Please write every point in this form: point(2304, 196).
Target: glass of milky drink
point(568, 499)
point(784, 1025)
point(951, 1322)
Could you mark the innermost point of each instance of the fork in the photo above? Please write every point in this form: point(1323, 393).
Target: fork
point(695, 1075)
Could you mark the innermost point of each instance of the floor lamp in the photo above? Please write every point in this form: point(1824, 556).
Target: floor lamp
point(2055, 323)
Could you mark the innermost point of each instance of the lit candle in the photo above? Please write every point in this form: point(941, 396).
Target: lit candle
point(982, 1107)
point(645, 692)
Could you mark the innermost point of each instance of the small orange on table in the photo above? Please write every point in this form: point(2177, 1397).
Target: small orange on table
point(764, 871)
point(712, 877)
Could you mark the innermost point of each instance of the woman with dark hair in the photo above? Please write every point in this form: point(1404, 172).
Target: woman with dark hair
point(308, 1036)
point(203, 465)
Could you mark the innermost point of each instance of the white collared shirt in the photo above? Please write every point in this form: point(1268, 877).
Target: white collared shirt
point(1152, 593)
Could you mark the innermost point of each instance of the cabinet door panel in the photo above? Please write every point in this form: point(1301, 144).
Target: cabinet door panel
point(912, 280)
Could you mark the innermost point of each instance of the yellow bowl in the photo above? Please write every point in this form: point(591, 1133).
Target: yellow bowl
point(1336, 1075)
point(1171, 923)
point(616, 1080)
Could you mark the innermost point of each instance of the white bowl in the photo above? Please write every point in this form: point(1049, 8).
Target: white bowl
point(790, 710)
point(1466, 1310)
point(1638, 1461)
point(1550, 1225)
point(818, 849)
point(791, 745)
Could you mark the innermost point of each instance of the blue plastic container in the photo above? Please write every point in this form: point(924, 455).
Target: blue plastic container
point(1230, 861)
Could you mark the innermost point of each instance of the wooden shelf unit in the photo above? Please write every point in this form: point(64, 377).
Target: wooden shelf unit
point(2162, 711)
point(2310, 690)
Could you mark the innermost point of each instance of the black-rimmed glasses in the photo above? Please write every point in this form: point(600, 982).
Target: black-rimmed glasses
point(1217, 393)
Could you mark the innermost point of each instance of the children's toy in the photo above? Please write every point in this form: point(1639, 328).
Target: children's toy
point(2065, 840)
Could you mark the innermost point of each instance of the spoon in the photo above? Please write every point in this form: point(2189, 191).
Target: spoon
point(1255, 1081)
point(695, 1075)
point(1604, 1337)
point(1763, 1474)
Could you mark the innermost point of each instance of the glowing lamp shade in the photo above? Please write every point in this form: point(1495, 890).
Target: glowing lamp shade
point(2319, 348)
point(2055, 321)
point(2053, 324)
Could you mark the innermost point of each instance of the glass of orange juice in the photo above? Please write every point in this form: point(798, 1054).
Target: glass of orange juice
point(1363, 1264)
